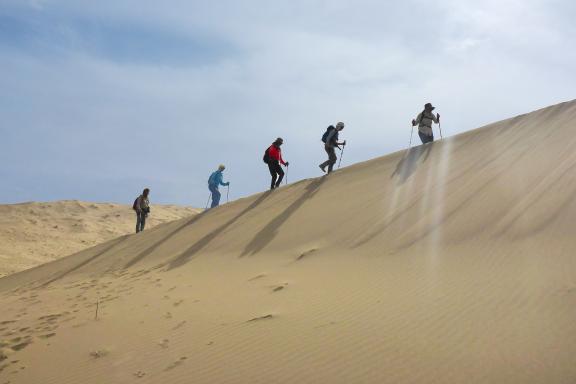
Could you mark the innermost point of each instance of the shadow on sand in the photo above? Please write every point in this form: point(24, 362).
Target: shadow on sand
point(156, 245)
point(204, 241)
point(106, 249)
point(267, 234)
point(409, 162)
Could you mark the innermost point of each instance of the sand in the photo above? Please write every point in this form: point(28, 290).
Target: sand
point(449, 263)
point(36, 233)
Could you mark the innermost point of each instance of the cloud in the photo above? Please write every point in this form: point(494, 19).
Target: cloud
point(115, 95)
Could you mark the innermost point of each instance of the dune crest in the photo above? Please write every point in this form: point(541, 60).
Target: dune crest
point(448, 263)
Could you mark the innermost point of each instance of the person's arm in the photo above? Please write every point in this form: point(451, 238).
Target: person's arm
point(416, 121)
point(280, 158)
point(139, 204)
point(435, 117)
point(221, 181)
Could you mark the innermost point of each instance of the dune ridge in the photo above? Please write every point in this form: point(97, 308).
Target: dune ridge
point(34, 233)
point(447, 263)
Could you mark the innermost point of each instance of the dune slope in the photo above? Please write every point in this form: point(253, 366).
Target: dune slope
point(448, 263)
point(36, 233)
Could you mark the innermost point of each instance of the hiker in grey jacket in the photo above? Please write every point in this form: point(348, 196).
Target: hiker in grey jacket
point(424, 121)
point(142, 208)
point(330, 146)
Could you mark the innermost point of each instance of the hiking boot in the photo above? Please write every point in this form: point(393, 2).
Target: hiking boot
point(323, 168)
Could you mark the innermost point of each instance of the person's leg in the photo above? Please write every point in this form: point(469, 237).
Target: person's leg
point(425, 138)
point(272, 169)
point(280, 173)
point(215, 197)
point(327, 162)
point(137, 221)
point(332, 158)
point(143, 221)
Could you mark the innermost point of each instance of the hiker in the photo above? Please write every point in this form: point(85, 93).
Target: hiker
point(273, 157)
point(142, 208)
point(330, 139)
point(424, 122)
point(214, 181)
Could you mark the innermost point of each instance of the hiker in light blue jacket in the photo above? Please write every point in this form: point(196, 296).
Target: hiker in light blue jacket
point(214, 182)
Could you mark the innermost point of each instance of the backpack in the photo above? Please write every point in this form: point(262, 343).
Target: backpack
point(325, 135)
point(211, 179)
point(266, 157)
point(135, 205)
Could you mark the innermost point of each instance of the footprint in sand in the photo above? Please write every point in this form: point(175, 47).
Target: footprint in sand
point(176, 363)
point(176, 304)
point(139, 374)
point(164, 343)
point(278, 288)
point(265, 317)
point(305, 254)
point(256, 278)
point(180, 325)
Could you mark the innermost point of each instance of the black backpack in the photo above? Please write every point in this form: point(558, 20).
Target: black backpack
point(325, 135)
point(135, 205)
point(266, 157)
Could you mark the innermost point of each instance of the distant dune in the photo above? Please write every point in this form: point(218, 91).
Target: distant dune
point(35, 233)
point(449, 263)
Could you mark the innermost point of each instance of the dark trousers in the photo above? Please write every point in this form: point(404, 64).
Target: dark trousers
point(332, 158)
point(215, 195)
point(425, 138)
point(140, 220)
point(276, 172)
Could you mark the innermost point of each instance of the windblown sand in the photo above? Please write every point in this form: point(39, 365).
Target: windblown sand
point(449, 263)
point(36, 233)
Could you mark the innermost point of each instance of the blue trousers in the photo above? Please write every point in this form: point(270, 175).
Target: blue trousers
point(215, 196)
point(425, 138)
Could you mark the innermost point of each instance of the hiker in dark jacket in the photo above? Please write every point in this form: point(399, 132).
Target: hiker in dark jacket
point(142, 208)
point(424, 121)
point(330, 145)
point(274, 156)
point(214, 181)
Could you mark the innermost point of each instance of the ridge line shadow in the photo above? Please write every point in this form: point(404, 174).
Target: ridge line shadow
point(185, 256)
point(156, 245)
point(267, 234)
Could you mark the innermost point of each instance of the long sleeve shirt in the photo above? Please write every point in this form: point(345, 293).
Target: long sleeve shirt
point(275, 153)
point(424, 121)
point(216, 179)
point(143, 203)
point(332, 139)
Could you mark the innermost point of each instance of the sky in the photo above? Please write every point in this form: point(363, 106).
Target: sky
point(99, 99)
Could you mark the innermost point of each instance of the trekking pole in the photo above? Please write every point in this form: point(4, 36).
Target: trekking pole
point(440, 128)
point(341, 155)
point(208, 201)
point(287, 174)
point(227, 192)
point(411, 133)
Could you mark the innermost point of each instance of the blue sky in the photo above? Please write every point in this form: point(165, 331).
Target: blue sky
point(100, 99)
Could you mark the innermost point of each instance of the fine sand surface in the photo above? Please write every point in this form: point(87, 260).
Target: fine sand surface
point(450, 263)
point(36, 233)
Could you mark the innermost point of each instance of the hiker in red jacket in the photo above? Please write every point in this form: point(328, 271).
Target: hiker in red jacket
point(273, 157)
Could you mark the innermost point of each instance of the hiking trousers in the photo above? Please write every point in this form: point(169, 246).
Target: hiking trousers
point(332, 158)
point(215, 195)
point(276, 172)
point(425, 138)
point(140, 220)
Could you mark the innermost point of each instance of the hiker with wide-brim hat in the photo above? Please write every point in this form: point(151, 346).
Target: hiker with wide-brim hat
point(424, 121)
point(214, 181)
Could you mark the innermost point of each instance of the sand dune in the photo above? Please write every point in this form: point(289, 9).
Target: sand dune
point(35, 233)
point(449, 263)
